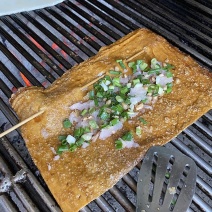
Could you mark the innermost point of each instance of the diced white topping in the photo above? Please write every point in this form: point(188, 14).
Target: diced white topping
point(53, 150)
point(107, 132)
point(105, 87)
point(129, 144)
point(100, 74)
point(84, 145)
point(138, 93)
point(44, 133)
point(57, 157)
point(82, 106)
point(49, 167)
point(172, 190)
point(163, 80)
point(70, 139)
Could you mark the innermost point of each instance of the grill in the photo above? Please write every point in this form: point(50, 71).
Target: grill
point(37, 47)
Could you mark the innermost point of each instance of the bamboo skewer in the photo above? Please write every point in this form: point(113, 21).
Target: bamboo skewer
point(21, 123)
point(42, 111)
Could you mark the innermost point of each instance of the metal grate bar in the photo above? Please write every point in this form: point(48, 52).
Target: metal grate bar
point(36, 64)
point(41, 42)
point(43, 56)
point(5, 89)
point(19, 66)
point(101, 26)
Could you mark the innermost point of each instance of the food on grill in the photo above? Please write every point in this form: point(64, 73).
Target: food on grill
point(76, 178)
point(124, 94)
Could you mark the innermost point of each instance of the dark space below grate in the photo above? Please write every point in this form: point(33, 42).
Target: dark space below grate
point(43, 44)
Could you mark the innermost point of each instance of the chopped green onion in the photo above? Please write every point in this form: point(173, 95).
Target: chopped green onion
point(142, 120)
point(84, 112)
point(67, 123)
point(138, 131)
point(91, 110)
point(144, 100)
point(96, 102)
point(104, 116)
point(87, 136)
point(129, 85)
point(73, 147)
point(111, 87)
point(169, 74)
point(62, 148)
point(116, 82)
point(118, 144)
point(145, 81)
point(168, 66)
point(115, 72)
point(121, 63)
point(91, 95)
point(136, 81)
point(119, 99)
point(143, 66)
point(93, 124)
point(127, 137)
point(169, 87)
point(87, 130)
point(124, 90)
point(131, 64)
point(154, 63)
point(62, 137)
point(78, 132)
point(114, 122)
point(79, 142)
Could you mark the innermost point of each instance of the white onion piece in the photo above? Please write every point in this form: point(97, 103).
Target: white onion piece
point(124, 80)
point(138, 93)
point(163, 80)
point(84, 145)
point(74, 117)
point(70, 139)
point(107, 132)
point(105, 87)
point(128, 144)
point(82, 106)
point(148, 107)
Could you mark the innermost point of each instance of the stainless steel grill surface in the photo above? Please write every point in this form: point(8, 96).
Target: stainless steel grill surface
point(39, 46)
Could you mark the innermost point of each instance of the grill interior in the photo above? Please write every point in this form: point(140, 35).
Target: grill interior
point(37, 47)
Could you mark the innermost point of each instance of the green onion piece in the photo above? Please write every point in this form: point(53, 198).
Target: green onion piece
point(114, 122)
point(61, 149)
point(99, 94)
point(118, 144)
point(138, 131)
point(111, 87)
point(154, 71)
point(169, 74)
point(86, 130)
point(127, 101)
point(142, 120)
point(131, 64)
point(143, 66)
point(63, 142)
point(129, 85)
point(124, 90)
point(79, 142)
point(84, 112)
point(144, 100)
point(154, 63)
point(115, 72)
point(136, 81)
point(121, 63)
point(169, 66)
point(93, 124)
point(104, 116)
point(87, 136)
point(62, 137)
point(91, 110)
point(119, 99)
point(91, 94)
point(169, 87)
point(67, 123)
point(127, 137)
point(96, 102)
point(78, 132)
point(73, 147)
point(116, 82)
point(145, 81)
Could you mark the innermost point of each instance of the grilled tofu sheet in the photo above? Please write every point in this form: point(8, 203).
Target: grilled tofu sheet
point(77, 178)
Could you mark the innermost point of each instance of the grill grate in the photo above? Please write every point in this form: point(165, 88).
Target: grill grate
point(37, 47)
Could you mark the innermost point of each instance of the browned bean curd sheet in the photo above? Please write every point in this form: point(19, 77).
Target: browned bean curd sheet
point(79, 177)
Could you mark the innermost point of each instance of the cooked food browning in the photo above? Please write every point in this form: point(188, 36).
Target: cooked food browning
point(76, 178)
